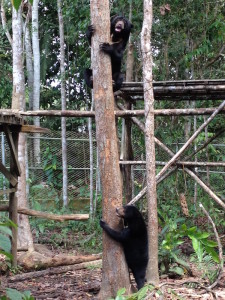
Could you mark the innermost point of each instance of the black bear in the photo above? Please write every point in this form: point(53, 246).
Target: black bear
point(134, 239)
point(120, 29)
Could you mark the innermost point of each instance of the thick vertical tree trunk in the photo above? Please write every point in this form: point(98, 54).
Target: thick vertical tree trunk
point(152, 271)
point(29, 57)
point(92, 206)
point(36, 89)
point(114, 269)
point(18, 102)
point(63, 103)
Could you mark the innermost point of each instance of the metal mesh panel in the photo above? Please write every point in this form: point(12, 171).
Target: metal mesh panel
point(48, 172)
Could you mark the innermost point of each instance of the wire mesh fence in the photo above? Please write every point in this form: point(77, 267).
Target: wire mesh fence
point(45, 177)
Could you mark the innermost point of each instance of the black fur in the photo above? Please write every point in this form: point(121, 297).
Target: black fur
point(120, 29)
point(134, 239)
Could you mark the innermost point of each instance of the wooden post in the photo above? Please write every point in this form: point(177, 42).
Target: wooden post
point(152, 271)
point(13, 203)
point(114, 269)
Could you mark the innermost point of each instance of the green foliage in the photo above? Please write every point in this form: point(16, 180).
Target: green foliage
point(12, 294)
point(50, 168)
point(5, 248)
point(201, 242)
point(140, 295)
point(5, 234)
point(172, 235)
point(206, 266)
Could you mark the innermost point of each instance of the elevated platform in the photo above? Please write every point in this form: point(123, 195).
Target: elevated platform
point(178, 90)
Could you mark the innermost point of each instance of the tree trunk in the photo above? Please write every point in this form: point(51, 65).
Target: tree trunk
point(29, 57)
point(152, 271)
point(92, 206)
point(114, 270)
point(63, 103)
point(36, 89)
point(4, 25)
point(18, 102)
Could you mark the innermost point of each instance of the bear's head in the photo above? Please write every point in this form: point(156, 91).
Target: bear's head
point(120, 26)
point(128, 212)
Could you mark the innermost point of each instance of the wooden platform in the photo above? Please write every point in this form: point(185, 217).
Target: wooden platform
point(178, 90)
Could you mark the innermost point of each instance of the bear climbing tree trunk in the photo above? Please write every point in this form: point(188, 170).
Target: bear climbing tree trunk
point(114, 269)
point(152, 271)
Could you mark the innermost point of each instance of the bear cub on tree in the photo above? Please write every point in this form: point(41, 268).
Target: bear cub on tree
point(120, 29)
point(134, 240)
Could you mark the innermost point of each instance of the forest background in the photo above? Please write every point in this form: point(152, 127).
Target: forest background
point(188, 42)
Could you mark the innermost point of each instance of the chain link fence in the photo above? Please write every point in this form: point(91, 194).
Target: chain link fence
point(45, 177)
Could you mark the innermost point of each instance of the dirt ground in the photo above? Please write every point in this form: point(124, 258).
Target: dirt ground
point(85, 284)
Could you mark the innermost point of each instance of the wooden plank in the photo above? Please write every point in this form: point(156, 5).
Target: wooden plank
point(8, 191)
point(34, 129)
point(8, 116)
point(13, 201)
point(13, 151)
point(26, 129)
point(12, 179)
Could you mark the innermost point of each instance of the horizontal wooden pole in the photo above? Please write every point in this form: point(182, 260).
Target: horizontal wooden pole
point(182, 163)
point(205, 188)
point(12, 179)
point(118, 113)
point(8, 191)
point(49, 216)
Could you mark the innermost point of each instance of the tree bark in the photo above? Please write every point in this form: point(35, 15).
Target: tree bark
point(36, 88)
point(63, 103)
point(114, 272)
point(152, 270)
point(29, 57)
point(92, 206)
point(4, 23)
point(18, 103)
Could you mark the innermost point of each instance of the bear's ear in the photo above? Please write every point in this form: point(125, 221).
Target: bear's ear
point(113, 17)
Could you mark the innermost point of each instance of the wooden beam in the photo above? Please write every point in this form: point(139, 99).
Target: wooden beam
point(13, 200)
point(45, 215)
point(123, 113)
point(34, 129)
point(13, 150)
point(179, 163)
point(26, 129)
point(205, 188)
point(12, 179)
point(8, 191)
point(191, 139)
point(178, 90)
